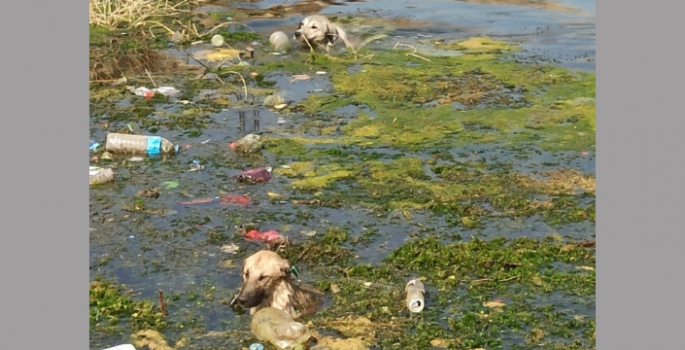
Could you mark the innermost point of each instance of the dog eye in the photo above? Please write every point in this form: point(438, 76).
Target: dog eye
point(313, 27)
point(261, 277)
point(247, 274)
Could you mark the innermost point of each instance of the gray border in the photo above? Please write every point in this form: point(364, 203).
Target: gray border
point(44, 253)
point(639, 126)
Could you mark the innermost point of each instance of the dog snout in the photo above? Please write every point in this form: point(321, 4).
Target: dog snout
point(297, 34)
point(248, 298)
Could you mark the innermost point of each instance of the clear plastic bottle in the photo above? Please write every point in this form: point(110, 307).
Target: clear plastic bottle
point(138, 144)
point(415, 291)
point(100, 175)
point(278, 328)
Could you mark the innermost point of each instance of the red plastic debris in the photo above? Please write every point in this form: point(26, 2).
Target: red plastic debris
point(235, 199)
point(265, 237)
point(254, 175)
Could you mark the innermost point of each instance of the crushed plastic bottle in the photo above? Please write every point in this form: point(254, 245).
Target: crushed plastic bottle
point(100, 175)
point(138, 144)
point(278, 328)
point(251, 143)
point(166, 91)
point(415, 291)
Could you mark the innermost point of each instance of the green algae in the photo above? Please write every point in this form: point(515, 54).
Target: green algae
point(111, 303)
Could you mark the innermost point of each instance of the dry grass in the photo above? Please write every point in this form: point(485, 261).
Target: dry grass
point(127, 14)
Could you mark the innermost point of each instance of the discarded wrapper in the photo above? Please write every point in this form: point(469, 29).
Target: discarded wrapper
point(254, 175)
point(415, 291)
point(122, 347)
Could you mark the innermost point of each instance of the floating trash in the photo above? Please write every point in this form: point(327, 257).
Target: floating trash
point(415, 291)
point(138, 144)
point(265, 237)
point(254, 175)
point(196, 166)
point(218, 40)
point(251, 143)
point(321, 72)
point(166, 91)
point(229, 248)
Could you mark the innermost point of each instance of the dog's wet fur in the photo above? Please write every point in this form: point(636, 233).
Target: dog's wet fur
point(267, 283)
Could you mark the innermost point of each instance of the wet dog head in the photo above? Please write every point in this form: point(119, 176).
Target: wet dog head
point(262, 272)
point(317, 30)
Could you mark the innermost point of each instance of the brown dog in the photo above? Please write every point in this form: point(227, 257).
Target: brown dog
point(267, 283)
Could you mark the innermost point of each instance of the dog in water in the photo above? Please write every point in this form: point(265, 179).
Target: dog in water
point(267, 283)
point(318, 30)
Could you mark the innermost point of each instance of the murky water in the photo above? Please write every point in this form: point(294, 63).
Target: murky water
point(564, 35)
point(179, 250)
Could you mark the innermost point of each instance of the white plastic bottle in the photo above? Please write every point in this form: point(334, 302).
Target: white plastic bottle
point(415, 291)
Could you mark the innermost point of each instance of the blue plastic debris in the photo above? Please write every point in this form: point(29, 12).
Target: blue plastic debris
point(93, 145)
point(256, 346)
point(131, 236)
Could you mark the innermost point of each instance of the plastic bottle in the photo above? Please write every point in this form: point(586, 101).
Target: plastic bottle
point(251, 143)
point(278, 328)
point(100, 175)
point(415, 291)
point(279, 41)
point(138, 144)
point(122, 347)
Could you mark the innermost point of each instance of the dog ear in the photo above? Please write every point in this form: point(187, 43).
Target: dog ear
point(284, 266)
point(332, 36)
point(299, 26)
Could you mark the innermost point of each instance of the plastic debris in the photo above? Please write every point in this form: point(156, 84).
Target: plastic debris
point(256, 346)
point(281, 106)
point(148, 93)
point(143, 91)
point(197, 201)
point(218, 40)
point(136, 159)
point(265, 237)
point(196, 166)
point(273, 100)
point(254, 175)
point(321, 72)
point(166, 91)
point(299, 77)
point(279, 41)
point(138, 144)
point(229, 248)
point(100, 175)
point(236, 199)
point(93, 145)
point(122, 347)
point(278, 328)
point(251, 143)
point(415, 291)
